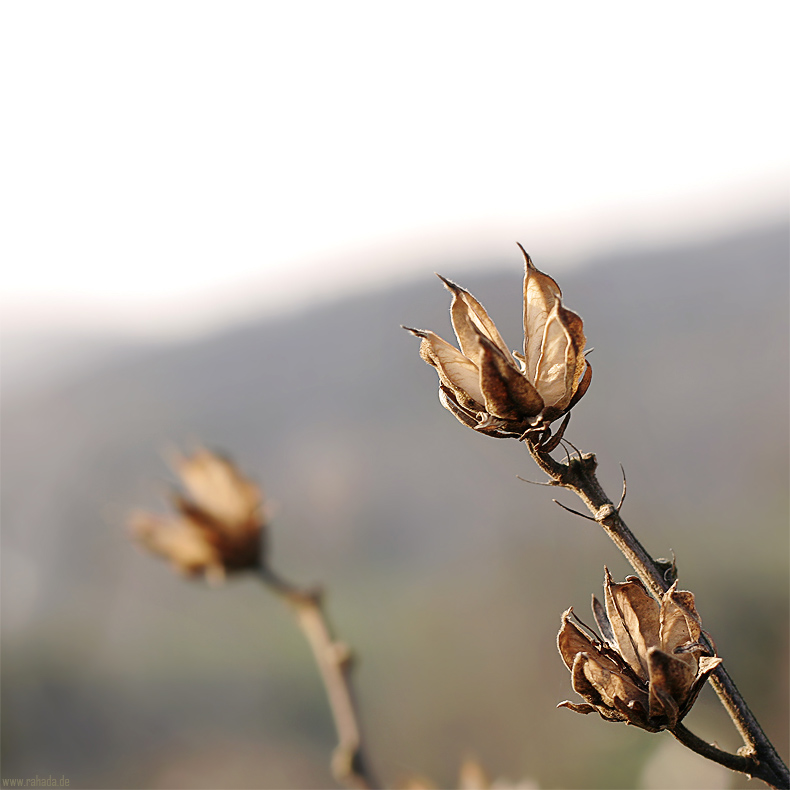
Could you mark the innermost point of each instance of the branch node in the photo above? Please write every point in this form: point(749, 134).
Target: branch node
point(344, 655)
point(605, 512)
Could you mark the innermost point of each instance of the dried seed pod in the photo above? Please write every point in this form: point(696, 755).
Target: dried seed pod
point(649, 665)
point(218, 528)
point(498, 392)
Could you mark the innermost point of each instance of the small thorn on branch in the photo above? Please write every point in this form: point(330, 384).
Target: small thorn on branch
point(573, 447)
point(622, 496)
point(571, 510)
point(538, 482)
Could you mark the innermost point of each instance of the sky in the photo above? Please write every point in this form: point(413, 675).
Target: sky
point(170, 166)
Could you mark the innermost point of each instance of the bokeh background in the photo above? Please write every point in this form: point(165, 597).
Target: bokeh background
point(217, 217)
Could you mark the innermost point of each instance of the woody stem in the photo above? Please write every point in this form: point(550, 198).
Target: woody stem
point(334, 662)
point(578, 475)
point(734, 762)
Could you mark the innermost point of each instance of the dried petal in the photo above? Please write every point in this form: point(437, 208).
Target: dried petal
point(448, 399)
point(602, 621)
point(613, 686)
point(488, 426)
point(680, 623)
point(571, 640)
point(582, 386)
point(707, 664)
point(578, 707)
point(551, 371)
point(540, 295)
point(217, 488)
point(581, 683)
point(670, 682)
point(634, 615)
point(469, 317)
point(508, 394)
point(180, 541)
point(455, 370)
point(561, 358)
point(576, 362)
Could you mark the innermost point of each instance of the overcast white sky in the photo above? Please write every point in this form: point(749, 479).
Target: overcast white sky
point(169, 165)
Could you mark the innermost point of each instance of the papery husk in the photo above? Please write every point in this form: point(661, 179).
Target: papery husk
point(505, 394)
point(217, 529)
point(648, 669)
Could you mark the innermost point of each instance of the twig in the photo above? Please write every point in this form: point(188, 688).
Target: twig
point(734, 762)
point(349, 766)
point(759, 754)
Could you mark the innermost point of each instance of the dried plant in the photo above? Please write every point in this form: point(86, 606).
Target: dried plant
point(650, 665)
point(503, 393)
point(220, 530)
point(617, 690)
point(218, 527)
point(651, 658)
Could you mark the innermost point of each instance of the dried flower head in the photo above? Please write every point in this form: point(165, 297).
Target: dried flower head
point(218, 527)
point(501, 393)
point(649, 665)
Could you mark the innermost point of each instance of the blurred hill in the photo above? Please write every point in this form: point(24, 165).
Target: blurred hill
point(446, 573)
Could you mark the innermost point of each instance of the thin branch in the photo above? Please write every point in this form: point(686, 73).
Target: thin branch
point(578, 475)
point(349, 766)
point(735, 762)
